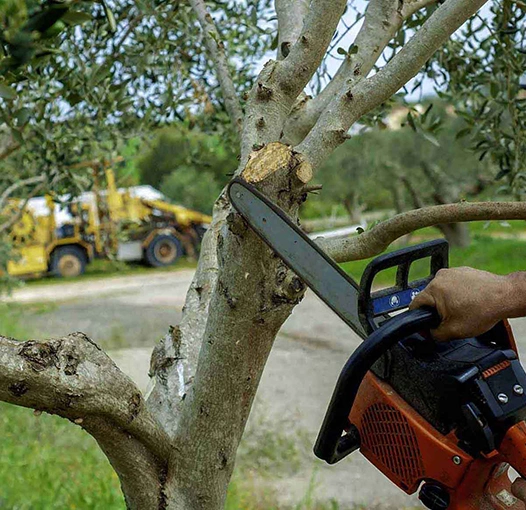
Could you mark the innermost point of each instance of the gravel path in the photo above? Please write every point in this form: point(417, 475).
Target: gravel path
point(129, 314)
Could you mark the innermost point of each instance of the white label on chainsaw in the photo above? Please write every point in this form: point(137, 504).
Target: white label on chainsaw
point(394, 301)
point(505, 497)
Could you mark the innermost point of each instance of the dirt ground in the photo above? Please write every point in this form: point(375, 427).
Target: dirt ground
point(129, 314)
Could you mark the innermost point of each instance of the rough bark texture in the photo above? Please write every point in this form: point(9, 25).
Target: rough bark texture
point(351, 103)
point(291, 14)
point(177, 450)
point(383, 19)
point(73, 378)
point(253, 296)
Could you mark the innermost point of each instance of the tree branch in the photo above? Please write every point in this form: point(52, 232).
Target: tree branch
point(19, 184)
point(280, 83)
point(18, 214)
point(291, 14)
point(383, 18)
point(8, 145)
point(174, 359)
point(74, 378)
point(351, 103)
point(216, 50)
point(375, 241)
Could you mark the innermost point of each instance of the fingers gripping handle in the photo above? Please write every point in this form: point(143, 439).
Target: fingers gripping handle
point(331, 446)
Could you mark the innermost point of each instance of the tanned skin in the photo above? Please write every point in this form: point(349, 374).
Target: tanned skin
point(470, 301)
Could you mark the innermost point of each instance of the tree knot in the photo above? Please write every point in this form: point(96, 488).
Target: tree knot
point(41, 355)
point(263, 92)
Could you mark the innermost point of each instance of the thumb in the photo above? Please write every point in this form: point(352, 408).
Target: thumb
point(425, 298)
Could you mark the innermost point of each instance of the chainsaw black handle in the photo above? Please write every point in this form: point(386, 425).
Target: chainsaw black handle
point(331, 446)
point(379, 304)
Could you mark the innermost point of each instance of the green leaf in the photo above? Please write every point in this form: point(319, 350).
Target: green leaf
point(274, 43)
point(17, 136)
point(7, 92)
point(430, 138)
point(462, 133)
point(426, 113)
point(494, 89)
point(109, 16)
point(22, 116)
point(502, 173)
point(353, 49)
point(341, 51)
point(76, 17)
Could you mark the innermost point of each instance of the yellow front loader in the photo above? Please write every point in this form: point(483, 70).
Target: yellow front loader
point(109, 223)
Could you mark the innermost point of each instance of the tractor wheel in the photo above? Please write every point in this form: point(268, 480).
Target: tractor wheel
point(68, 262)
point(164, 250)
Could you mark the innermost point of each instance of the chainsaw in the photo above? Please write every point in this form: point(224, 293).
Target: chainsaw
point(442, 418)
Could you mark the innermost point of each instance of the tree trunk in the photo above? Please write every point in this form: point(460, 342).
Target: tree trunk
point(176, 449)
point(457, 234)
point(353, 207)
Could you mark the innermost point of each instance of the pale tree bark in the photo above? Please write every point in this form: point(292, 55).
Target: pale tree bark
point(290, 14)
point(177, 449)
point(73, 378)
point(376, 240)
point(353, 102)
point(216, 49)
point(383, 19)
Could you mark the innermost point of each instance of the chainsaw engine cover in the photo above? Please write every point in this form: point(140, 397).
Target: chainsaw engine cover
point(439, 379)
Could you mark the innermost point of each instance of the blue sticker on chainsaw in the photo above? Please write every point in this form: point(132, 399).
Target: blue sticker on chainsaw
point(396, 300)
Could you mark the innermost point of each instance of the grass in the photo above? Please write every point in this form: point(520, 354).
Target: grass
point(47, 462)
point(498, 255)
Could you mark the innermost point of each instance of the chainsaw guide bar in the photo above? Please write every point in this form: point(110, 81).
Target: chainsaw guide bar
point(332, 285)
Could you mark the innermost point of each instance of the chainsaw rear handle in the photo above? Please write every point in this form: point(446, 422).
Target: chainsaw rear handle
point(330, 445)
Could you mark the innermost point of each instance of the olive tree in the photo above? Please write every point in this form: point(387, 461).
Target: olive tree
point(176, 447)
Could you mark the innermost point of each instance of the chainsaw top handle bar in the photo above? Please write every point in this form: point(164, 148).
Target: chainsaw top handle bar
point(331, 445)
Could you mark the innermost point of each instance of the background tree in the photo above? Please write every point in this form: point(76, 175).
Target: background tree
point(176, 449)
point(484, 83)
point(188, 166)
point(372, 170)
point(79, 80)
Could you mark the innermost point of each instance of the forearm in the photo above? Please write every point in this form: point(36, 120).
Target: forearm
point(514, 304)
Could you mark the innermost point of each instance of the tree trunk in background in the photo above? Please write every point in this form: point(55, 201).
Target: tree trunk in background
point(353, 207)
point(457, 234)
point(445, 192)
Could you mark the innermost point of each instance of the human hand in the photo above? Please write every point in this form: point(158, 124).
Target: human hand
point(469, 301)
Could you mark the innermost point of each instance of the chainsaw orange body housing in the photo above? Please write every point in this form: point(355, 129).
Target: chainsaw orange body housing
point(409, 450)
